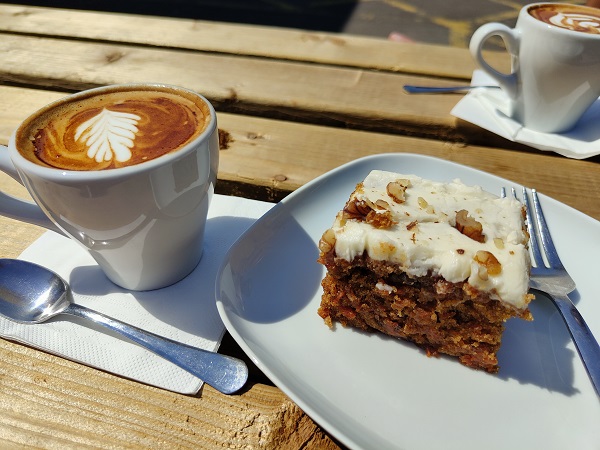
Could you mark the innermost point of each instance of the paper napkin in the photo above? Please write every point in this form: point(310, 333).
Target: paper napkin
point(488, 109)
point(184, 312)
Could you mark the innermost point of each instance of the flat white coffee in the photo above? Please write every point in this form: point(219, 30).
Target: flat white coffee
point(570, 17)
point(112, 129)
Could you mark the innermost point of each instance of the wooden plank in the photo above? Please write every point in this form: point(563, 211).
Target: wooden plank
point(267, 159)
point(288, 155)
point(55, 403)
point(302, 92)
point(270, 42)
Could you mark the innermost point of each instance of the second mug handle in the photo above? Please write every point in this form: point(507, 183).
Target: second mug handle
point(508, 82)
point(16, 208)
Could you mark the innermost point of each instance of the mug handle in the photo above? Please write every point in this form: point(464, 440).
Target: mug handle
point(508, 82)
point(16, 208)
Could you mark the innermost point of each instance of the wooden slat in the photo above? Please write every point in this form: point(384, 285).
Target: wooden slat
point(288, 155)
point(352, 98)
point(326, 48)
point(275, 157)
point(321, 94)
point(80, 407)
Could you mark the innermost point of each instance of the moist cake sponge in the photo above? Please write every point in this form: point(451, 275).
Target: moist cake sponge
point(443, 265)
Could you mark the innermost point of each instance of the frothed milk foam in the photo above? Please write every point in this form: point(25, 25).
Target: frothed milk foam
point(571, 17)
point(117, 128)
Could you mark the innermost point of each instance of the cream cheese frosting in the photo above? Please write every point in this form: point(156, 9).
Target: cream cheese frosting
point(412, 222)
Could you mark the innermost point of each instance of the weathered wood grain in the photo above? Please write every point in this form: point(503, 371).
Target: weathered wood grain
point(305, 92)
point(49, 402)
point(279, 43)
point(339, 91)
point(341, 97)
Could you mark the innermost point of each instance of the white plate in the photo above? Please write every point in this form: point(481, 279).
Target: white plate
point(374, 392)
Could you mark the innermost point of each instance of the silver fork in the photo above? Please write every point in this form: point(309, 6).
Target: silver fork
point(549, 276)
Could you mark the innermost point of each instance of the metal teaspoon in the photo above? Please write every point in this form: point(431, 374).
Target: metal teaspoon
point(30, 293)
point(439, 90)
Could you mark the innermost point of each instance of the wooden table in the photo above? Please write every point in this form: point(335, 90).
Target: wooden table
point(291, 106)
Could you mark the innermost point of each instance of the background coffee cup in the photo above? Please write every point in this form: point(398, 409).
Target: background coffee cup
point(144, 224)
point(555, 70)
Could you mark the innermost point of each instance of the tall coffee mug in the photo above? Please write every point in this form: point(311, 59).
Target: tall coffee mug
point(84, 160)
point(555, 51)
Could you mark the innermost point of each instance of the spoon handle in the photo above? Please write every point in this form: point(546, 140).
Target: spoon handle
point(224, 373)
point(433, 89)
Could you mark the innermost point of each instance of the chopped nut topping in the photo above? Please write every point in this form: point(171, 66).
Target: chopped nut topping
point(380, 220)
point(426, 206)
point(499, 243)
point(469, 226)
point(356, 209)
point(327, 241)
point(396, 190)
point(368, 211)
point(487, 261)
point(411, 225)
point(382, 204)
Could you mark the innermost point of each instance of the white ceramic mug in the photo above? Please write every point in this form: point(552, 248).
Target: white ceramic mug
point(144, 223)
point(555, 70)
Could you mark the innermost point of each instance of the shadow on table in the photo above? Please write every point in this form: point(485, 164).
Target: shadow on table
point(302, 14)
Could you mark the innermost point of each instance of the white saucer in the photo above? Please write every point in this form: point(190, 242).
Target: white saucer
point(483, 107)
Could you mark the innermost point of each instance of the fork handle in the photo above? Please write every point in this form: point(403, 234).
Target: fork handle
point(586, 344)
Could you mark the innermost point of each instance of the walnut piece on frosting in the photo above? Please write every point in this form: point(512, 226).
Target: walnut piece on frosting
point(356, 209)
point(327, 241)
point(396, 189)
point(382, 220)
point(377, 213)
point(469, 226)
point(489, 262)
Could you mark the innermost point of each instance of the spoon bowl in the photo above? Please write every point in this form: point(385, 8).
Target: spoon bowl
point(30, 293)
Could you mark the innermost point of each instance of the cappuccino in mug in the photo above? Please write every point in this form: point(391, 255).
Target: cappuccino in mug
point(555, 54)
point(569, 17)
point(127, 171)
point(111, 129)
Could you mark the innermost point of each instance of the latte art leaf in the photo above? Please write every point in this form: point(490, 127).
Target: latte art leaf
point(109, 134)
point(576, 21)
point(115, 129)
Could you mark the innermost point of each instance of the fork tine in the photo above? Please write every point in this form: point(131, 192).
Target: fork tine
point(539, 237)
point(534, 241)
point(551, 253)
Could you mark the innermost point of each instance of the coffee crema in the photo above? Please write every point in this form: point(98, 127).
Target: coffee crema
point(112, 129)
point(571, 17)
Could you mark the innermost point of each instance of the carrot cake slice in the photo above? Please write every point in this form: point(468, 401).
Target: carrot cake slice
point(443, 265)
